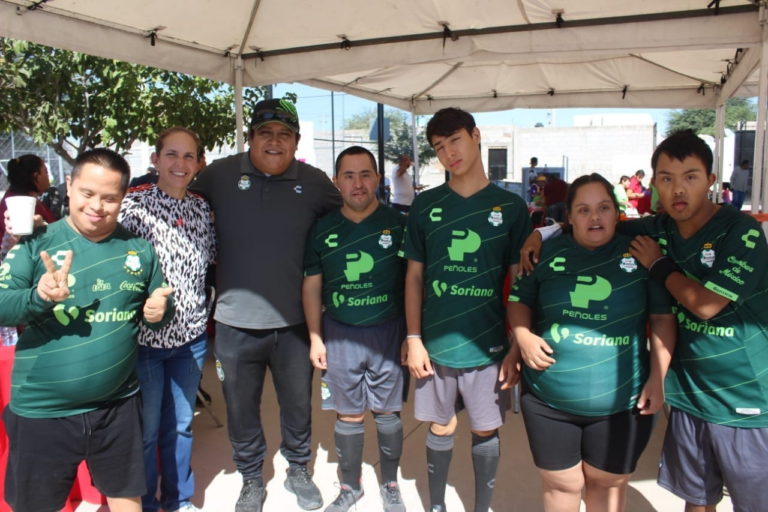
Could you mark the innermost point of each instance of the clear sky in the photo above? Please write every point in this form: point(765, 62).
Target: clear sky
point(315, 105)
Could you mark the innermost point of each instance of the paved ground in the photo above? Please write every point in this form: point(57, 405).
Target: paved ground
point(518, 487)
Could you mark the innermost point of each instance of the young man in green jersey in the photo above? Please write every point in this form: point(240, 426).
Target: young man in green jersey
point(711, 259)
point(352, 268)
point(81, 285)
point(461, 240)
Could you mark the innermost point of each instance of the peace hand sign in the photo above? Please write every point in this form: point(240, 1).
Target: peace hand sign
point(53, 284)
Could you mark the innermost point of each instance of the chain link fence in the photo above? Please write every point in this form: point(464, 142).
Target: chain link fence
point(16, 144)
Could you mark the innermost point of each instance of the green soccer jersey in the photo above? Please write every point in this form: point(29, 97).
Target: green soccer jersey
point(79, 354)
point(719, 371)
point(363, 279)
point(591, 307)
point(467, 246)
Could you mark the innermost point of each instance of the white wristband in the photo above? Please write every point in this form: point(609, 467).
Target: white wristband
point(413, 336)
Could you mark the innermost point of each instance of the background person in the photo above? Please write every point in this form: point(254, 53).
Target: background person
point(179, 226)
point(403, 190)
point(82, 285)
point(27, 176)
point(739, 182)
point(265, 202)
point(554, 194)
point(357, 341)
point(586, 362)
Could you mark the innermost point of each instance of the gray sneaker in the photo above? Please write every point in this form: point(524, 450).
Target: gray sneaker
point(390, 496)
point(300, 483)
point(348, 499)
point(252, 497)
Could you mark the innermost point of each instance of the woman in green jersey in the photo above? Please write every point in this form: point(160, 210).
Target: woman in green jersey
point(590, 384)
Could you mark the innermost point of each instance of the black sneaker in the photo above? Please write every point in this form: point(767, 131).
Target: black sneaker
point(348, 499)
point(390, 496)
point(300, 483)
point(252, 497)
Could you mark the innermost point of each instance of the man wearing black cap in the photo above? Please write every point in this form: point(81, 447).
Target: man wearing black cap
point(265, 202)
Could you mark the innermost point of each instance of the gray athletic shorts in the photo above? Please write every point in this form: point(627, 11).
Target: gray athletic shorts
point(699, 457)
point(364, 370)
point(478, 390)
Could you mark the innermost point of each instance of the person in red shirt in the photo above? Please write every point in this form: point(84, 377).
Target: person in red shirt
point(555, 192)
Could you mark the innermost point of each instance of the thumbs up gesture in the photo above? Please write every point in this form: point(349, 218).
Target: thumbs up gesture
point(154, 307)
point(53, 284)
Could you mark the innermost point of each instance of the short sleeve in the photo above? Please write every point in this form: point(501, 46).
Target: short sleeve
point(413, 246)
point(519, 231)
point(739, 262)
point(639, 227)
point(525, 290)
point(312, 261)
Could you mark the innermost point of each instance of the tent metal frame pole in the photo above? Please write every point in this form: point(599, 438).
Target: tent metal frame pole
point(758, 169)
point(239, 105)
point(719, 149)
point(416, 167)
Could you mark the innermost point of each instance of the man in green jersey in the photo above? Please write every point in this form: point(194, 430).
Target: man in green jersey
point(711, 258)
point(352, 268)
point(461, 240)
point(81, 285)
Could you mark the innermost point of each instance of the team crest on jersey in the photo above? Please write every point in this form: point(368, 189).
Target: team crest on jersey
point(628, 263)
point(244, 183)
point(708, 255)
point(385, 240)
point(133, 263)
point(495, 218)
point(325, 393)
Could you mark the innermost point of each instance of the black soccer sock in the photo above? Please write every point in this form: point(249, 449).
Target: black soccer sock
point(485, 459)
point(390, 433)
point(349, 449)
point(439, 454)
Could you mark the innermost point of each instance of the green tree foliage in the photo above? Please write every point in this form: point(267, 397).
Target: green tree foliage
point(74, 102)
point(702, 121)
point(400, 134)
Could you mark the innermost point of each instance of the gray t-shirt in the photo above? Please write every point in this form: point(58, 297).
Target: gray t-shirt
point(262, 224)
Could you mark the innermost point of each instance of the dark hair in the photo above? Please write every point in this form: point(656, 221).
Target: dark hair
point(448, 121)
point(21, 174)
point(726, 185)
point(625, 177)
point(200, 151)
point(640, 174)
point(680, 145)
point(107, 159)
point(355, 150)
point(586, 180)
point(744, 162)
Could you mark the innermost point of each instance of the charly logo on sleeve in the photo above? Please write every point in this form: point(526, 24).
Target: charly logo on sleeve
point(133, 263)
point(495, 218)
point(708, 255)
point(628, 263)
point(747, 239)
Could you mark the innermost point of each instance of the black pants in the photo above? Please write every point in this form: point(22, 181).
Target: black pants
point(243, 356)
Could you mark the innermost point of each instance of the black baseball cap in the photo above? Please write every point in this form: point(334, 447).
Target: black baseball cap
point(275, 111)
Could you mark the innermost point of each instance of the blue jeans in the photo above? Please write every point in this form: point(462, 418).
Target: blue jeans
point(738, 199)
point(169, 378)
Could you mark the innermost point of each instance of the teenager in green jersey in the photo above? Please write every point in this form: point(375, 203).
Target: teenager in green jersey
point(712, 259)
point(351, 267)
point(590, 386)
point(461, 240)
point(81, 285)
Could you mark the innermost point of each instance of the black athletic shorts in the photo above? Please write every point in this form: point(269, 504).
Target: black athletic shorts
point(44, 454)
point(560, 440)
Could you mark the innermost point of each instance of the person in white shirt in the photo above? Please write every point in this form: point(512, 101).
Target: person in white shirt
point(402, 185)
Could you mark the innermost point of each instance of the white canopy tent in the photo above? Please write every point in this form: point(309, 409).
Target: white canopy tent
point(423, 55)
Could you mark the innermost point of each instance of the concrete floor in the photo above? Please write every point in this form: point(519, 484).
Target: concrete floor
point(518, 487)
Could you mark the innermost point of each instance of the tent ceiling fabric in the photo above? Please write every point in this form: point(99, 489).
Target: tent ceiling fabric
point(508, 54)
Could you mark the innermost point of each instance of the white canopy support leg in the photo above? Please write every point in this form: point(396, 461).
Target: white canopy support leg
point(758, 166)
point(239, 104)
point(719, 144)
point(415, 148)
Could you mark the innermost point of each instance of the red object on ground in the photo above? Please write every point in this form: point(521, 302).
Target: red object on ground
point(83, 490)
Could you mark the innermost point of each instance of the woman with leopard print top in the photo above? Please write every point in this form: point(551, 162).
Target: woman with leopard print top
point(180, 226)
